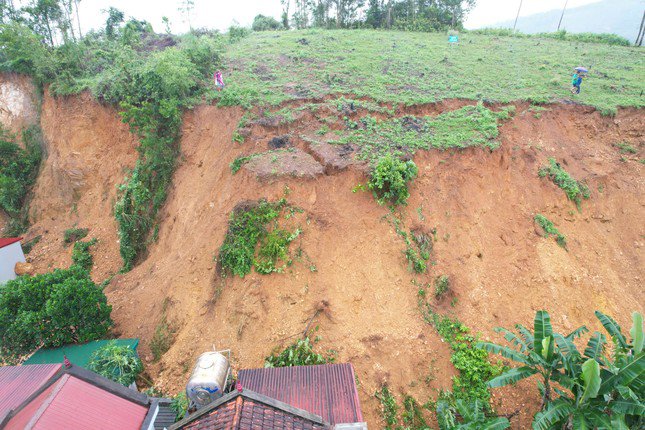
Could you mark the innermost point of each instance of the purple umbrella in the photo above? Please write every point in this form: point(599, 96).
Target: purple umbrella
point(581, 69)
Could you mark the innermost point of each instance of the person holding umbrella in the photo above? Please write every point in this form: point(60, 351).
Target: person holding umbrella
point(578, 74)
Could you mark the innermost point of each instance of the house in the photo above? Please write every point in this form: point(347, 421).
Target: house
point(299, 397)
point(55, 397)
point(10, 254)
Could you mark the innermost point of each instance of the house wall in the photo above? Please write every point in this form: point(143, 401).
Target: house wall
point(9, 256)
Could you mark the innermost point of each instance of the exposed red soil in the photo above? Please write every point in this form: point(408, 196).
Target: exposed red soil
point(482, 204)
point(89, 151)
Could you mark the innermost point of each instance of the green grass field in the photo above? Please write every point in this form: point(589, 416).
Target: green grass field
point(411, 68)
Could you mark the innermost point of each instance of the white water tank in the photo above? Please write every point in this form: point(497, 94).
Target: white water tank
point(208, 380)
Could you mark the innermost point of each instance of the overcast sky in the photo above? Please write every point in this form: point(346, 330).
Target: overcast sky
point(220, 14)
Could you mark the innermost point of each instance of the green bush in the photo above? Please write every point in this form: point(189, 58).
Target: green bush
point(118, 363)
point(300, 353)
point(81, 255)
point(51, 310)
point(574, 190)
point(441, 286)
point(72, 235)
point(389, 180)
point(179, 405)
point(265, 23)
point(389, 408)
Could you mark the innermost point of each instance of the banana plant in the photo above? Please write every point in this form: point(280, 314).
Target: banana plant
point(467, 415)
point(542, 352)
point(598, 392)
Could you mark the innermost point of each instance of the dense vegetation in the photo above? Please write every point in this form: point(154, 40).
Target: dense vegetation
point(589, 390)
point(606, 38)
point(150, 78)
point(119, 363)
point(18, 171)
point(254, 239)
point(51, 310)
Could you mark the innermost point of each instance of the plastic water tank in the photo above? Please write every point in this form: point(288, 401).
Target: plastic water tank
point(208, 380)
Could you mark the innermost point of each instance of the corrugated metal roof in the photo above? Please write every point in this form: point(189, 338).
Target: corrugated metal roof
point(75, 404)
point(328, 390)
point(17, 383)
point(6, 241)
point(78, 355)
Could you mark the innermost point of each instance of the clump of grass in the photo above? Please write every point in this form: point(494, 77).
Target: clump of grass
point(441, 286)
point(416, 255)
point(626, 148)
point(248, 232)
point(575, 190)
point(72, 235)
point(300, 353)
point(237, 164)
point(28, 246)
point(549, 229)
point(162, 339)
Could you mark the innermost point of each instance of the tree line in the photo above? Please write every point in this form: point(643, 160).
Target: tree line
point(414, 15)
point(54, 21)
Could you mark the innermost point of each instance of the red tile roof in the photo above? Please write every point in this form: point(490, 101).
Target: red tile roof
point(248, 410)
point(328, 390)
point(17, 383)
point(73, 403)
point(6, 241)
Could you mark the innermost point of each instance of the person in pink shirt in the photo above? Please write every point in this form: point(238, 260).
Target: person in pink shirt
point(219, 80)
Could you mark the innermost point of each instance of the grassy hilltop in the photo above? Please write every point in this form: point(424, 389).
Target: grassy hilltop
point(411, 68)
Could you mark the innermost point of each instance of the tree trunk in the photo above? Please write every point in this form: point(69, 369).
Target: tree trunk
point(78, 19)
point(641, 32)
point(561, 16)
point(518, 15)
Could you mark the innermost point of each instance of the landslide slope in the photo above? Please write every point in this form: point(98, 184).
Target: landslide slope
point(482, 205)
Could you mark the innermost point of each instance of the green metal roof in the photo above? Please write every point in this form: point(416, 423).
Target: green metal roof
point(76, 354)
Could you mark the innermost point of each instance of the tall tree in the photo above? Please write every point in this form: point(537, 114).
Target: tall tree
point(285, 13)
point(186, 9)
point(43, 15)
point(78, 18)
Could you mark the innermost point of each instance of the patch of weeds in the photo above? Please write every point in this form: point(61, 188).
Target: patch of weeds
point(626, 148)
point(273, 248)
point(179, 405)
point(71, 235)
point(162, 339)
point(248, 232)
point(389, 408)
point(28, 246)
point(389, 180)
point(412, 416)
point(575, 190)
point(300, 353)
point(323, 130)
point(402, 137)
point(237, 164)
point(420, 213)
point(81, 255)
point(416, 255)
point(471, 362)
point(549, 229)
point(441, 286)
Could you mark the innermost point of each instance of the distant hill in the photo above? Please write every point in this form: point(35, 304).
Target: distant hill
point(622, 17)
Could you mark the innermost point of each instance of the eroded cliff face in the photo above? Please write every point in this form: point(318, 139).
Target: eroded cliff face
point(481, 204)
point(89, 152)
point(19, 102)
